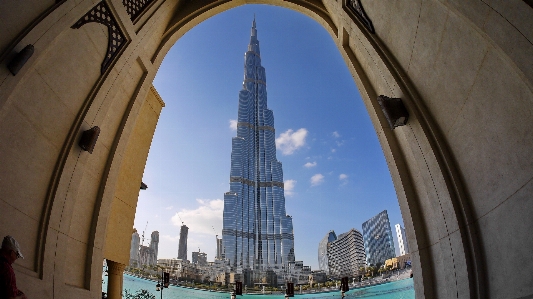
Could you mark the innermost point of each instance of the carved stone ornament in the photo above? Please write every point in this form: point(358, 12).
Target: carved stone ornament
point(136, 7)
point(357, 8)
point(116, 40)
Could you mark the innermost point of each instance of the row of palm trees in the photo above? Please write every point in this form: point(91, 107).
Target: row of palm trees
point(373, 271)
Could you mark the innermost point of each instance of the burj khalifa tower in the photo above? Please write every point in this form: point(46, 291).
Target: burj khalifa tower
point(257, 232)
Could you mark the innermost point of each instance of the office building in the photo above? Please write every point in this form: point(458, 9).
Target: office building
point(257, 233)
point(199, 258)
point(154, 243)
point(346, 254)
point(402, 240)
point(134, 249)
point(182, 249)
point(220, 249)
point(323, 251)
point(377, 235)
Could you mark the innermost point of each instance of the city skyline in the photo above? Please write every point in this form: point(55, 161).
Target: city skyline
point(335, 174)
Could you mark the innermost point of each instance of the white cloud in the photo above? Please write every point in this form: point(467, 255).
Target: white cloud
point(333, 150)
point(202, 219)
point(317, 179)
point(336, 134)
point(169, 208)
point(343, 176)
point(309, 164)
point(233, 124)
point(290, 141)
point(289, 187)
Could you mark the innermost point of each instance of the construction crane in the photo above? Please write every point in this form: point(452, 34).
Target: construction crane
point(216, 235)
point(182, 223)
point(142, 240)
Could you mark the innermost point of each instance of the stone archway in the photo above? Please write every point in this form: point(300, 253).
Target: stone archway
point(461, 167)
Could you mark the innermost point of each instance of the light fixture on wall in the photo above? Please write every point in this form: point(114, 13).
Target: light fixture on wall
point(394, 110)
point(144, 186)
point(20, 59)
point(88, 139)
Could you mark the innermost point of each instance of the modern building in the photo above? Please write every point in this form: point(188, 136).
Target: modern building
point(257, 233)
point(220, 249)
point(154, 243)
point(399, 262)
point(199, 258)
point(402, 240)
point(295, 272)
point(134, 249)
point(323, 251)
point(317, 276)
point(182, 249)
point(346, 255)
point(377, 235)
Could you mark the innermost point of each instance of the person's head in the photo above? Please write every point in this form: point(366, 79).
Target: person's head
point(11, 248)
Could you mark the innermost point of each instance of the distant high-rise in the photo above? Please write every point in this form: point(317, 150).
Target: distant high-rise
point(402, 239)
point(346, 255)
point(220, 249)
point(199, 258)
point(377, 235)
point(323, 251)
point(134, 249)
point(257, 233)
point(182, 249)
point(154, 243)
point(148, 254)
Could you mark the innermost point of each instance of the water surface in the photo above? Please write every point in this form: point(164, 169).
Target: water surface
point(402, 289)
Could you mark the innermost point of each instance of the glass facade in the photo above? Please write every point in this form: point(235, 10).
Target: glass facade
point(377, 235)
point(257, 233)
point(323, 251)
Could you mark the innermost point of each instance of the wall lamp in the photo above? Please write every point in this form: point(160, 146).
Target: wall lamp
point(144, 186)
point(20, 59)
point(394, 110)
point(88, 139)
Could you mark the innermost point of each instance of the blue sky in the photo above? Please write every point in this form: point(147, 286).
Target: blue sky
point(335, 173)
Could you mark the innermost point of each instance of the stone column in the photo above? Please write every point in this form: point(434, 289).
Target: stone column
point(115, 273)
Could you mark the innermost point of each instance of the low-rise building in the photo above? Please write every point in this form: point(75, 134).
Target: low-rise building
point(399, 262)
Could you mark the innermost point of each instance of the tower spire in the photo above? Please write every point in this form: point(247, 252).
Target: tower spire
point(254, 43)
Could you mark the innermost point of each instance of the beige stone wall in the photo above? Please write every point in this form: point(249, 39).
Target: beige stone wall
point(462, 167)
point(124, 205)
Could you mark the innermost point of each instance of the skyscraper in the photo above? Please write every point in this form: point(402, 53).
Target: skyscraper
point(134, 249)
point(402, 239)
point(220, 249)
point(257, 233)
point(377, 236)
point(323, 251)
point(154, 243)
point(346, 255)
point(182, 249)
